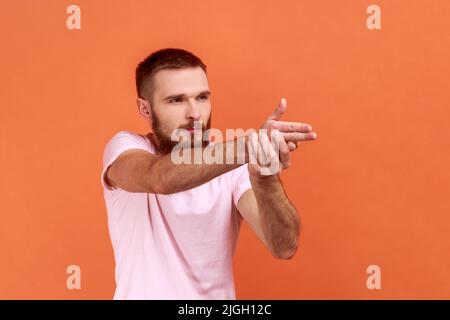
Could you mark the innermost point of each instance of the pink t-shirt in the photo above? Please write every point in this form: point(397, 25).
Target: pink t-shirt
point(173, 246)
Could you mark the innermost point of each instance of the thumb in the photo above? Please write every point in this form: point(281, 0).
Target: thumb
point(276, 115)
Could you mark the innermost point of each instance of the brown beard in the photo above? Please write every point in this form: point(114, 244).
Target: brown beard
point(164, 144)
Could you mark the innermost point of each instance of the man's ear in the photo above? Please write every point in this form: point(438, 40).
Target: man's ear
point(144, 108)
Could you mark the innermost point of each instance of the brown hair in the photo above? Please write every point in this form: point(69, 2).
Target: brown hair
point(169, 58)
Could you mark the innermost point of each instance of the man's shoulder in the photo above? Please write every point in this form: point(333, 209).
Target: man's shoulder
point(129, 135)
point(126, 139)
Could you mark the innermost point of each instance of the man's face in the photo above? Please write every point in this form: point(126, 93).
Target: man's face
point(180, 97)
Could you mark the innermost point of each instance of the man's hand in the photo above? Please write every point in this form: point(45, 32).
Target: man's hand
point(267, 157)
point(292, 132)
point(270, 151)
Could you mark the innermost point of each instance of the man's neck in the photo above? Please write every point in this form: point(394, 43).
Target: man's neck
point(154, 140)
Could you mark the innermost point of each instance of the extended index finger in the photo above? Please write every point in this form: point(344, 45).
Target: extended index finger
point(291, 126)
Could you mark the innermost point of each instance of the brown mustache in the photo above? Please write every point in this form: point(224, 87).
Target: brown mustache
point(191, 126)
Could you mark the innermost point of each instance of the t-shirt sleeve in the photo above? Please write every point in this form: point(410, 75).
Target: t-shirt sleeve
point(240, 182)
point(122, 141)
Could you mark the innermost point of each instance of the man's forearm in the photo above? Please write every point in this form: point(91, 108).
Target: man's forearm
point(169, 177)
point(279, 219)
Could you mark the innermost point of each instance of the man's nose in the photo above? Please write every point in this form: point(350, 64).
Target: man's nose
point(192, 112)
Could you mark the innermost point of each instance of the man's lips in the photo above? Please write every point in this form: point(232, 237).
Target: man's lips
point(192, 129)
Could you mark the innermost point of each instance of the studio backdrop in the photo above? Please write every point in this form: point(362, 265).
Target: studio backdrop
point(371, 77)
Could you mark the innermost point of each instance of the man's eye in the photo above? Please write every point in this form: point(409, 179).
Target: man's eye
point(175, 100)
point(203, 98)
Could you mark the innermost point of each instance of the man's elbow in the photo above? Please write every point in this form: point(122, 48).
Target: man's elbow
point(287, 253)
point(288, 249)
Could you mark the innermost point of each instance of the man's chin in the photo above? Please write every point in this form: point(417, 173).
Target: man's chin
point(192, 143)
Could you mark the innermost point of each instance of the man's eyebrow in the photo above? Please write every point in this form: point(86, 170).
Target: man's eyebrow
point(207, 92)
point(182, 95)
point(174, 96)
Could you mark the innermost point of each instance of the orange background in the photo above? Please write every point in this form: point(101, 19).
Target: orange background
point(373, 189)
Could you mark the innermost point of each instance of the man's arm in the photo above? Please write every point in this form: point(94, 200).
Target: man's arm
point(270, 214)
point(266, 207)
point(137, 170)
